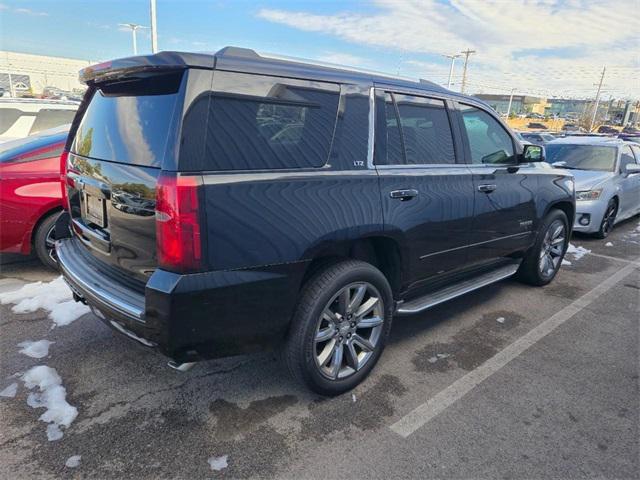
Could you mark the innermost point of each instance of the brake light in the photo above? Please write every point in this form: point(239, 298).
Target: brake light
point(63, 180)
point(178, 241)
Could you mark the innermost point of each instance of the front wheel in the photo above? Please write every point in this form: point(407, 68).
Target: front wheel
point(543, 260)
point(340, 327)
point(608, 219)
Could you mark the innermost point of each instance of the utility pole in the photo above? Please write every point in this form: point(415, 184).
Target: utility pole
point(510, 102)
point(134, 27)
point(453, 60)
point(595, 108)
point(154, 27)
point(466, 54)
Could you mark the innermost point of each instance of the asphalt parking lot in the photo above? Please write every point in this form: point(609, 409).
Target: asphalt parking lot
point(508, 382)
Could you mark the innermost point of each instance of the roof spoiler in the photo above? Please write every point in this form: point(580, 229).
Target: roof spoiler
point(130, 66)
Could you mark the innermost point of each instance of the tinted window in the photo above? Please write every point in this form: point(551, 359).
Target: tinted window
point(8, 117)
point(581, 157)
point(425, 130)
point(626, 158)
point(257, 122)
point(489, 142)
point(48, 118)
point(130, 121)
point(394, 155)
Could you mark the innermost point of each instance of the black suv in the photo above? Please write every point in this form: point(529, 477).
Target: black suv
point(219, 204)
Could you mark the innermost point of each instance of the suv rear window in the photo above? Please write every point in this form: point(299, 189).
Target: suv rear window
point(130, 121)
point(257, 122)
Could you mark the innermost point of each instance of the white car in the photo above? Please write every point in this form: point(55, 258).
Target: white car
point(607, 178)
point(20, 117)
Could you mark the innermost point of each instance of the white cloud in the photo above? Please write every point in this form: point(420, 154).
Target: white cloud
point(28, 11)
point(341, 58)
point(544, 46)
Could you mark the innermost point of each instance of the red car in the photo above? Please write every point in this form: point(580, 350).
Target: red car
point(30, 193)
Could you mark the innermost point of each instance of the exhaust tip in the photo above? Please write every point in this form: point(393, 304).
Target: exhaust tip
point(181, 367)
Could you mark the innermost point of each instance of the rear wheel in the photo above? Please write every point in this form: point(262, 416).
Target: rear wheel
point(543, 260)
point(340, 327)
point(608, 219)
point(44, 240)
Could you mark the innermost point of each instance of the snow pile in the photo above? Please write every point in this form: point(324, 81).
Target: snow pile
point(608, 244)
point(218, 463)
point(565, 262)
point(577, 252)
point(73, 461)
point(54, 296)
point(52, 396)
point(37, 349)
point(500, 319)
point(10, 391)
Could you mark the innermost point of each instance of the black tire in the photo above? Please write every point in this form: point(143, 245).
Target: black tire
point(608, 219)
point(42, 241)
point(301, 348)
point(530, 271)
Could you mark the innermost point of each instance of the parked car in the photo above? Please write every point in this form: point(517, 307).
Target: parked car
point(520, 137)
point(384, 197)
point(572, 127)
point(538, 138)
point(21, 117)
point(30, 193)
point(630, 129)
point(539, 116)
point(630, 137)
point(607, 176)
point(537, 126)
point(608, 130)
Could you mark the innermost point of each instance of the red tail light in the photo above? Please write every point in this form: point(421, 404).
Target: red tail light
point(63, 180)
point(177, 223)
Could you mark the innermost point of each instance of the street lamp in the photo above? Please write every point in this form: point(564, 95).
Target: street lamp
point(134, 27)
point(453, 60)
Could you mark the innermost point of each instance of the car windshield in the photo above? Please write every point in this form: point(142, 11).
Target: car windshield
point(582, 157)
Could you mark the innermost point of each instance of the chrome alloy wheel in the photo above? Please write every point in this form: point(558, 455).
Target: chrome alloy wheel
point(552, 248)
point(609, 218)
point(348, 330)
point(50, 243)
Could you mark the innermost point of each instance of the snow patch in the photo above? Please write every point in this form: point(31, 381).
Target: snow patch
point(608, 244)
point(73, 461)
point(353, 397)
point(565, 262)
point(577, 252)
point(52, 396)
point(218, 463)
point(500, 319)
point(10, 391)
point(438, 356)
point(37, 349)
point(54, 296)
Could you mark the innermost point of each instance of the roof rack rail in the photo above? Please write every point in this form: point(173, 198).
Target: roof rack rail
point(249, 53)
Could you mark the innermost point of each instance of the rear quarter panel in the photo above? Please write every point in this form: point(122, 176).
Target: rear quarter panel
point(28, 190)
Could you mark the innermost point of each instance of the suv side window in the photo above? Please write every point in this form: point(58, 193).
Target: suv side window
point(626, 158)
point(259, 122)
point(489, 142)
point(417, 131)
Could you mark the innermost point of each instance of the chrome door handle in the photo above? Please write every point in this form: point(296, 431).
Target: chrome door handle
point(403, 195)
point(487, 188)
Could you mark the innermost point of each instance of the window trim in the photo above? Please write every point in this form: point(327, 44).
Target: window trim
point(465, 138)
point(449, 110)
point(621, 150)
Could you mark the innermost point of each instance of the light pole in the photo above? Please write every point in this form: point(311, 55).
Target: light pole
point(134, 27)
point(510, 102)
point(154, 26)
point(595, 108)
point(453, 61)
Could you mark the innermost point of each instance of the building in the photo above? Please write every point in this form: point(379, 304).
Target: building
point(519, 103)
point(23, 73)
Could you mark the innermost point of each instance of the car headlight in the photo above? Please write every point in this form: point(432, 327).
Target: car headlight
point(588, 195)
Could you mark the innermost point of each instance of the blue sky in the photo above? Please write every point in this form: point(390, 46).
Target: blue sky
point(551, 47)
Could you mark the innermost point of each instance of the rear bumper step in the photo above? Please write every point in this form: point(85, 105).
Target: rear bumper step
point(95, 288)
point(452, 291)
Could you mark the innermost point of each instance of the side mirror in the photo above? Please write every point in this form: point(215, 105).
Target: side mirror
point(630, 168)
point(533, 153)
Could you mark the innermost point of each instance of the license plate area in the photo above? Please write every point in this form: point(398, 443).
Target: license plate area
point(94, 210)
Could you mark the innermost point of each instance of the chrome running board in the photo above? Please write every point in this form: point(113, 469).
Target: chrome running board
point(447, 293)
